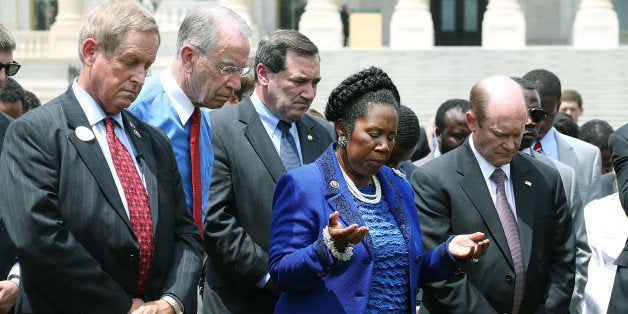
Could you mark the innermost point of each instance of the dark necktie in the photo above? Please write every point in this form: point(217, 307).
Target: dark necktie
point(137, 201)
point(507, 219)
point(288, 148)
point(538, 148)
point(195, 160)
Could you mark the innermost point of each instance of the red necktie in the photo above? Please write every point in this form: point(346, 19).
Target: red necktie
point(538, 148)
point(195, 158)
point(137, 201)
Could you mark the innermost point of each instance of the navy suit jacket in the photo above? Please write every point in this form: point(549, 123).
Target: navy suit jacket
point(74, 240)
point(452, 198)
point(312, 280)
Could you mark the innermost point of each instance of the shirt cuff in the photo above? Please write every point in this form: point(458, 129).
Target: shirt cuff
point(262, 283)
point(15, 271)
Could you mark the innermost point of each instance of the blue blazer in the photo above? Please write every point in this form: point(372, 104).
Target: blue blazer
point(311, 280)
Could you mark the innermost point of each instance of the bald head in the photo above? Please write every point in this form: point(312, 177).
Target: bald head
point(497, 118)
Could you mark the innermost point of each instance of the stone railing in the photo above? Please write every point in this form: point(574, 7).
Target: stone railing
point(32, 44)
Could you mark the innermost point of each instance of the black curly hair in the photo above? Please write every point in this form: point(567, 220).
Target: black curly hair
point(358, 93)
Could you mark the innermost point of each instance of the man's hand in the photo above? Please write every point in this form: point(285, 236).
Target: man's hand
point(154, 307)
point(8, 295)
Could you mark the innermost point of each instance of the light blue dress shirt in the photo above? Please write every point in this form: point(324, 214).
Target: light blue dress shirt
point(163, 104)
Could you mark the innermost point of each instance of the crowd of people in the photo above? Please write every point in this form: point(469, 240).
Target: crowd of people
point(211, 187)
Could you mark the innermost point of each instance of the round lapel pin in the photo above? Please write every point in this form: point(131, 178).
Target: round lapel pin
point(84, 134)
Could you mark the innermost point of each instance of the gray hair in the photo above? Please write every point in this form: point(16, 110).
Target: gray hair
point(109, 23)
point(7, 41)
point(201, 27)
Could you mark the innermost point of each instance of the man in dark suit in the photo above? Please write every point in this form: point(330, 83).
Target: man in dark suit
point(9, 269)
point(618, 143)
point(530, 267)
point(249, 158)
point(92, 197)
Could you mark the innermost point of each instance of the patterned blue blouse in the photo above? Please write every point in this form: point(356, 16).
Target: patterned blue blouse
point(389, 291)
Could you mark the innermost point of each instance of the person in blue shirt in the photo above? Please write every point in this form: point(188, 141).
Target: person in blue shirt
point(212, 51)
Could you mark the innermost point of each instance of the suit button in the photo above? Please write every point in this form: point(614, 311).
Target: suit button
point(132, 257)
point(508, 279)
point(417, 259)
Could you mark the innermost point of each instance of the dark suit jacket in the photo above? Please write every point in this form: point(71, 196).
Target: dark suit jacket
point(237, 225)
point(618, 143)
point(75, 244)
point(452, 198)
point(7, 250)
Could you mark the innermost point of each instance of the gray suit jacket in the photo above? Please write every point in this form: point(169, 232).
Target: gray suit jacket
point(574, 201)
point(237, 225)
point(586, 160)
point(75, 243)
point(452, 198)
point(429, 157)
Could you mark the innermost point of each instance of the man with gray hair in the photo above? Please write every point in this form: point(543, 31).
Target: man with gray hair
point(91, 196)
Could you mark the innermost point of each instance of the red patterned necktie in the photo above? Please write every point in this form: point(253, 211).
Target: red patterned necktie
point(137, 201)
point(511, 229)
point(538, 148)
point(195, 159)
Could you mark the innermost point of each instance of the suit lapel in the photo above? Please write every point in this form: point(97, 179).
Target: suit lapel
point(308, 139)
point(566, 153)
point(91, 154)
point(473, 184)
point(141, 142)
point(258, 137)
point(395, 203)
point(524, 190)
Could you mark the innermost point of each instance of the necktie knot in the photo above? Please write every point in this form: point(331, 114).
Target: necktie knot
point(498, 176)
point(538, 147)
point(284, 127)
point(110, 124)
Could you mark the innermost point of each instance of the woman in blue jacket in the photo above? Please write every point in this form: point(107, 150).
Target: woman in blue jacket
point(345, 234)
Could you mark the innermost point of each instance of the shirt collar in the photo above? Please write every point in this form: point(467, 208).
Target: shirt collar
point(92, 110)
point(269, 119)
point(485, 166)
point(181, 103)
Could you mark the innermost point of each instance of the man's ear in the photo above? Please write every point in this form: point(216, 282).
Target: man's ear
point(262, 74)
point(187, 58)
point(470, 120)
point(89, 50)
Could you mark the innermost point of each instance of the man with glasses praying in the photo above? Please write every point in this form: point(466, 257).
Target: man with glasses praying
point(536, 115)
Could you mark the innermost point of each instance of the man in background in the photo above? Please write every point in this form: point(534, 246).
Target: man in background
point(451, 128)
point(571, 104)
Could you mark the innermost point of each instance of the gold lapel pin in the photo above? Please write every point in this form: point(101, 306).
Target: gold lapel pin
point(309, 137)
point(137, 133)
point(334, 184)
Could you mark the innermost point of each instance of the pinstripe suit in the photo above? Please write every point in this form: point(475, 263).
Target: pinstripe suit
point(7, 251)
point(76, 247)
point(237, 226)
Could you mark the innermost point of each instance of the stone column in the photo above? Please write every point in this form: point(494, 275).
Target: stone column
point(596, 25)
point(64, 32)
point(411, 25)
point(321, 23)
point(242, 7)
point(504, 26)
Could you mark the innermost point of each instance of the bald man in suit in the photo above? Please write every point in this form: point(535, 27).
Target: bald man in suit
point(530, 267)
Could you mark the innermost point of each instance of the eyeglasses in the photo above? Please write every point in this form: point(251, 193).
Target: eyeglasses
point(10, 68)
point(231, 69)
point(537, 115)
